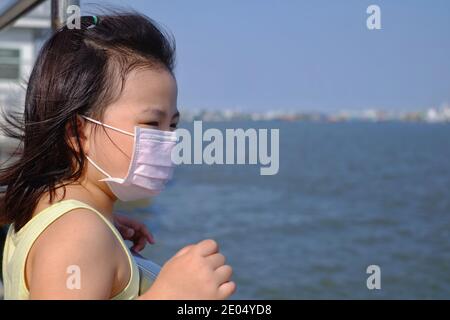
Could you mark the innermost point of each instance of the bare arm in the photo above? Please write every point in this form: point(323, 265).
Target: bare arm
point(73, 259)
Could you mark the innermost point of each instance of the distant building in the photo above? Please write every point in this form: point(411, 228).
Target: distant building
point(441, 114)
point(19, 45)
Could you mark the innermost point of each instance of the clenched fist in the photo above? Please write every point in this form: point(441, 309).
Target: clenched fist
point(197, 271)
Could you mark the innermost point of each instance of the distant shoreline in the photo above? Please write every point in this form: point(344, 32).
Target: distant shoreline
point(431, 115)
point(323, 121)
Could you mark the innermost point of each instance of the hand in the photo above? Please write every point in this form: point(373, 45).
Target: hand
point(133, 230)
point(195, 272)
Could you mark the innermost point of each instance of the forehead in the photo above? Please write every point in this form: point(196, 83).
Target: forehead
point(147, 91)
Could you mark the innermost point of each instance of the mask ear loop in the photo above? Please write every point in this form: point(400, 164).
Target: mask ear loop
point(108, 126)
point(97, 167)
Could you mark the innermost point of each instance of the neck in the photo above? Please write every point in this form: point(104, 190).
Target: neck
point(92, 194)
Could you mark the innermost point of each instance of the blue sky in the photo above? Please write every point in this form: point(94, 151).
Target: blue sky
point(313, 55)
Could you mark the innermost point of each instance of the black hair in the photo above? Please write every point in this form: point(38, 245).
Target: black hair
point(77, 72)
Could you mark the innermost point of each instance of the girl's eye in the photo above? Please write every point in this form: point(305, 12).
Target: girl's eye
point(174, 125)
point(152, 123)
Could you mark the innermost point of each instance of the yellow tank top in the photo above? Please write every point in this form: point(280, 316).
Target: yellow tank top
point(18, 245)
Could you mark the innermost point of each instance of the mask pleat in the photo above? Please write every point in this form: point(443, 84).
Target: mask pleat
point(157, 172)
point(144, 182)
point(158, 154)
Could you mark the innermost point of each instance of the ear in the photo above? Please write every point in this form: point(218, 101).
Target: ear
point(78, 130)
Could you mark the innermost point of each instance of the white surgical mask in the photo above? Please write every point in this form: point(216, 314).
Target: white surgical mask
point(151, 164)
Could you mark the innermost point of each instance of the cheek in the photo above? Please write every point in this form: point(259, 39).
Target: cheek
point(114, 151)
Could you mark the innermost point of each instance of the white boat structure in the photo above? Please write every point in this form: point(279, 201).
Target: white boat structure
point(19, 44)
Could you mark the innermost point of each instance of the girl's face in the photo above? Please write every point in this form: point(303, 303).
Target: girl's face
point(149, 99)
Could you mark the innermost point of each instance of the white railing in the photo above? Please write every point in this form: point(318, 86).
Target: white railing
point(15, 10)
point(18, 8)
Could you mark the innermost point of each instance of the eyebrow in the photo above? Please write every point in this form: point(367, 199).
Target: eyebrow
point(176, 115)
point(162, 113)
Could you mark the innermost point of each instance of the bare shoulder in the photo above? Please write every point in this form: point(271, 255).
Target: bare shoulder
point(78, 240)
point(77, 229)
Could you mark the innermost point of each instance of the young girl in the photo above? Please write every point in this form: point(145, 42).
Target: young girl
point(100, 111)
